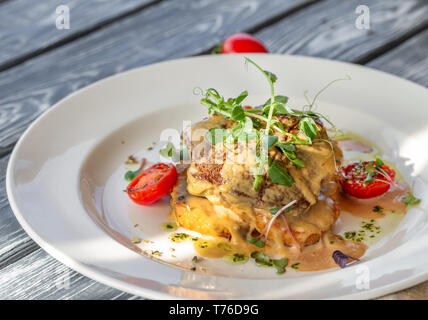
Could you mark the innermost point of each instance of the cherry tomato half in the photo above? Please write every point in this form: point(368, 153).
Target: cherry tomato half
point(354, 176)
point(152, 184)
point(242, 43)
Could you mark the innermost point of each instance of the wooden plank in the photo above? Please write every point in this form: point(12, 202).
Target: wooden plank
point(44, 87)
point(328, 29)
point(39, 276)
point(419, 292)
point(409, 60)
point(29, 26)
point(152, 35)
point(170, 30)
point(14, 242)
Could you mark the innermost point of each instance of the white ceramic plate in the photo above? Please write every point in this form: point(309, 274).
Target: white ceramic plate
point(65, 176)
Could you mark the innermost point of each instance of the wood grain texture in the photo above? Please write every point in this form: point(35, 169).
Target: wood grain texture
point(39, 276)
point(409, 60)
point(39, 83)
point(14, 242)
point(170, 30)
point(419, 292)
point(28, 26)
point(327, 29)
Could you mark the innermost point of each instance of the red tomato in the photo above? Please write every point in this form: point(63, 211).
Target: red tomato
point(152, 184)
point(242, 43)
point(355, 174)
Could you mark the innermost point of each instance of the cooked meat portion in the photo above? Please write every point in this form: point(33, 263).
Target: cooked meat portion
point(200, 215)
point(224, 174)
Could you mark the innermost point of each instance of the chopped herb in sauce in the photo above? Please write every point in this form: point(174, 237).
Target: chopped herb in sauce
point(378, 209)
point(369, 229)
point(224, 246)
point(296, 265)
point(169, 226)
point(156, 253)
point(203, 245)
point(136, 240)
point(178, 237)
point(131, 160)
point(236, 258)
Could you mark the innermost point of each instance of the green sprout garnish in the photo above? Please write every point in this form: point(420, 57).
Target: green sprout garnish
point(257, 242)
point(260, 125)
point(410, 200)
point(262, 260)
point(169, 151)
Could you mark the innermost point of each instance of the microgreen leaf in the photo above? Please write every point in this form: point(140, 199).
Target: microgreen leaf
point(288, 150)
point(261, 259)
point(286, 147)
point(236, 258)
point(370, 173)
point(130, 175)
point(276, 209)
point(280, 265)
point(279, 175)
point(168, 151)
point(271, 140)
point(410, 200)
point(238, 113)
point(298, 162)
point(379, 163)
point(257, 242)
point(272, 77)
point(308, 127)
point(281, 99)
point(241, 97)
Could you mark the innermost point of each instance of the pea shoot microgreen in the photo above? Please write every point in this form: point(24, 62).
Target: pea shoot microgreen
point(256, 241)
point(169, 151)
point(279, 175)
point(263, 260)
point(260, 124)
point(131, 175)
point(410, 200)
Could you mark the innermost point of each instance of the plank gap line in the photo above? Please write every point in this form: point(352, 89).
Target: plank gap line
point(75, 36)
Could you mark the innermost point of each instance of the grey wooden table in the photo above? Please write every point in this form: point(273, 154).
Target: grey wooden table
point(40, 64)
